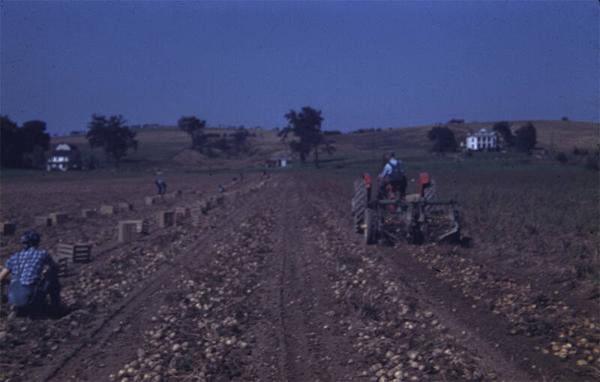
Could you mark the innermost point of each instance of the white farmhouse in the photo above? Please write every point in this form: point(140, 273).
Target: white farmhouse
point(483, 139)
point(64, 157)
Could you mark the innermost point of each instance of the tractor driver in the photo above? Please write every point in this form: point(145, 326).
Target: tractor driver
point(392, 176)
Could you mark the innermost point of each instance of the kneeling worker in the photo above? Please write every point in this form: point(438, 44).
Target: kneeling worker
point(29, 284)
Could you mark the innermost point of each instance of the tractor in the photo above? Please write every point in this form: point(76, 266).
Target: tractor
point(416, 218)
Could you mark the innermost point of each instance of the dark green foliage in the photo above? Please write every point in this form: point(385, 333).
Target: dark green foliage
point(578, 151)
point(306, 127)
point(332, 132)
point(503, 128)
point(592, 161)
point(240, 139)
point(562, 158)
point(195, 129)
point(89, 161)
point(526, 138)
point(10, 145)
point(443, 139)
point(371, 130)
point(23, 146)
point(112, 135)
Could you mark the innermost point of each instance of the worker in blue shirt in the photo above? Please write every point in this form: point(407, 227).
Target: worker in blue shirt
point(33, 276)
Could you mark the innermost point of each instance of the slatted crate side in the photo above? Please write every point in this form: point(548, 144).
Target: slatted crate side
point(63, 266)
point(82, 253)
point(77, 253)
point(64, 250)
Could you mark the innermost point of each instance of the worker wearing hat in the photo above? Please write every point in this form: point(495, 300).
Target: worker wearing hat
point(33, 276)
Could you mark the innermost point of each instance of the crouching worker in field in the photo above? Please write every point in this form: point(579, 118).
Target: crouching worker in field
point(33, 277)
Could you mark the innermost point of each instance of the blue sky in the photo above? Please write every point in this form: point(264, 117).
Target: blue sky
point(364, 64)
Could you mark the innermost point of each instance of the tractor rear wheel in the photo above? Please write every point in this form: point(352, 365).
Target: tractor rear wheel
point(359, 204)
point(371, 230)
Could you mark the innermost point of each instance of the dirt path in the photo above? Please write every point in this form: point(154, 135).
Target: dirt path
point(298, 302)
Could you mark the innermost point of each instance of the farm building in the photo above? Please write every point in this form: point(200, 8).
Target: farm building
point(281, 159)
point(64, 157)
point(483, 139)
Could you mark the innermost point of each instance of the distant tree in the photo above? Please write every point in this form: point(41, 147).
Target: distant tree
point(592, 161)
point(10, 146)
point(195, 129)
point(456, 121)
point(240, 138)
point(332, 132)
point(443, 139)
point(306, 127)
point(562, 158)
point(36, 158)
point(34, 135)
point(503, 128)
point(578, 151)
point(23, 146)
point(112, 135)
point(526, 137)
point(565, 119)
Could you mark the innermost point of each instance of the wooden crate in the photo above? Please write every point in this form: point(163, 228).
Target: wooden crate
point(182, 212)
point(166, 219)
point(8, 228)
point(78, 253)
point(197, 220)
point(59, 218)
point(107, 210)
point(88, 213)
point(43, 221)
point(124, 206)
point(142, 227)
point(127, 230)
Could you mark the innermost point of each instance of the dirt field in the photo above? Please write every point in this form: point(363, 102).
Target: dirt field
point(272, 284)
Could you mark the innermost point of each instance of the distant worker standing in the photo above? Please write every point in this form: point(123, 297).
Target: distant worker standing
point(392, 175)
point(29, 284)
point(161, 185)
